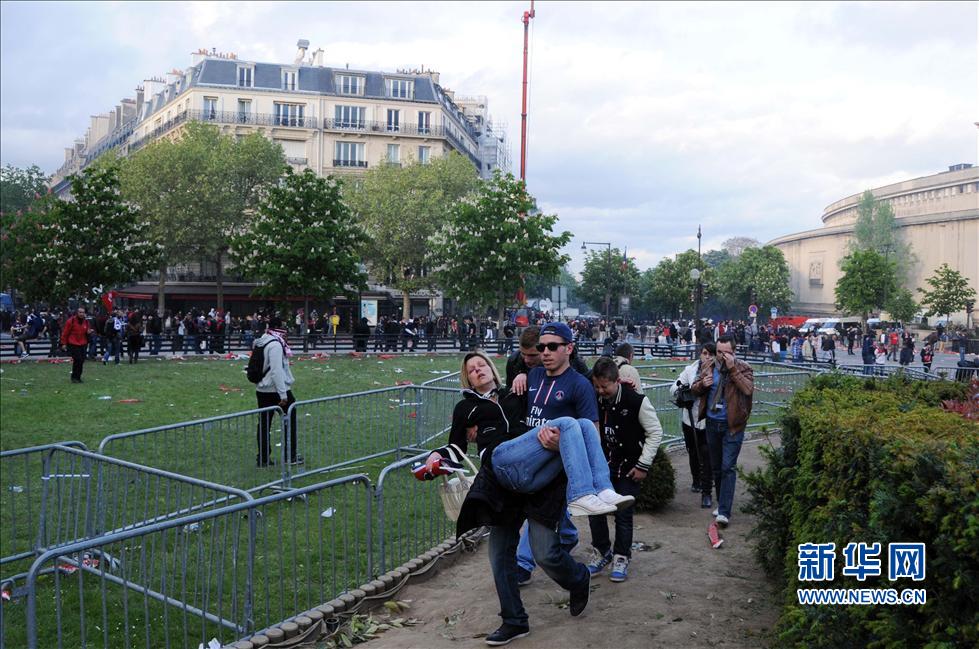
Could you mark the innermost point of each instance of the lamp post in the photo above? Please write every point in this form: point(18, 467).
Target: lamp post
point(608, 277)
point(698, 296)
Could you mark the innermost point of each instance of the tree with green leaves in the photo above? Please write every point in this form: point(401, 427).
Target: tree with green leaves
point(901, 306)
point(756, 276)
point(667, 289)
point(301, 241)
point(19, 188)
point(197, 191)
point(736, 245)
point(876, 229)
point(868, 280)
point(95, 241)
point(491, 241)
point(950, 292)
point(402, 208)
point(540, 286)
point(607, 277)
point(21, 241)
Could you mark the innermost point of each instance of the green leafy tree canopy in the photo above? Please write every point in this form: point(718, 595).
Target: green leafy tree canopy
point(607, 275)
point(21, 187)
point(868, 279)
point(492, 241)
point(759, 275)
point(876, 229)
point(302, 240)
point(949, 293)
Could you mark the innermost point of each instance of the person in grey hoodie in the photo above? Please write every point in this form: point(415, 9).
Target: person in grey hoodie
point(275, 389)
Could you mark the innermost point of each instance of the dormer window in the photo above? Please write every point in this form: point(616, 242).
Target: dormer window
point(246, 76)
point(400, 88)
point(289, 79)
point(348, 84)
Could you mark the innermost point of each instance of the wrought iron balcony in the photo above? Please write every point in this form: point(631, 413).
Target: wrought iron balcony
point(253, 119)
point(365, 126)
point(350, 163)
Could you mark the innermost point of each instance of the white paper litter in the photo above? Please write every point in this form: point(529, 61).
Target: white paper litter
point(328, 512)
point(211, 644)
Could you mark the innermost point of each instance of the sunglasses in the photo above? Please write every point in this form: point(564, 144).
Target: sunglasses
point(551, 347)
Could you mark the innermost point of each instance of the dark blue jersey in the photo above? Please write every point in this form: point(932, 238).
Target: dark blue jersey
point(568, 394)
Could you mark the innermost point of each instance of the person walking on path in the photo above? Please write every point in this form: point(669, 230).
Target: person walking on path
point(631, 434)
point(695, 429)
point(74, 338)
point(275, 389)
point(726, 388)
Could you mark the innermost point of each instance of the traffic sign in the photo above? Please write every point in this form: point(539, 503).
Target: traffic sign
point(774, 313)
point(753, 310)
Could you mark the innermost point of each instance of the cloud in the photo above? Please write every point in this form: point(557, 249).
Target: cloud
point(646, 119)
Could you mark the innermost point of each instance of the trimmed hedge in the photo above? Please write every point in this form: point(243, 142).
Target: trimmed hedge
point(873, 461)
point(658, 488)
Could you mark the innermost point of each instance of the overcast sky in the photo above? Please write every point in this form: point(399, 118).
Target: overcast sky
point(646, 118)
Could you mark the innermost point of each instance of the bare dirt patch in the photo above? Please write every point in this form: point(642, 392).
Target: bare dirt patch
point(680, 593)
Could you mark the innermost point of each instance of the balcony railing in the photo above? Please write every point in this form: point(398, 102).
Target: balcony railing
point(180, 118)
point(297, 161)
point(364, 126)
point(254, 119)
point(350, 163)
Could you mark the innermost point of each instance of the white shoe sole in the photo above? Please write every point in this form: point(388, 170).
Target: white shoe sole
point(578, 510)
point(500, 643)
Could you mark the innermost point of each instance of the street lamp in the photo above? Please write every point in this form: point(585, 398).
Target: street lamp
point(695, 275)
point(608, 278)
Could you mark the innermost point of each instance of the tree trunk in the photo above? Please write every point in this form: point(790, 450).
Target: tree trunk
point(160, 295)
point(500, 315)
point(405, 303)
point(219, 281)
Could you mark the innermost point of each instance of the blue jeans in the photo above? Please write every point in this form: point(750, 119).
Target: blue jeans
point(546, 546)
point(567, 536)
point(157, 343)
point(724, 449)
point(113, 347)
point(525, 466)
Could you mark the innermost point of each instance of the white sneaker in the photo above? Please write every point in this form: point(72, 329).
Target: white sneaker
point(617, 499)
point(714, 513)
point(722, 520)
point(590, 505)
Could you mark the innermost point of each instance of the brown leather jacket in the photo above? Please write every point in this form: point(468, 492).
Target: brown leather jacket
point(738, 393)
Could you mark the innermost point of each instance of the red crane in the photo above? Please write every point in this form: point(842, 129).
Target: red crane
point(527, 15)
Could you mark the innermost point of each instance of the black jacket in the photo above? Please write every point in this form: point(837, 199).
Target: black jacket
point(623, 435)
point(488, 502)
point(515, 365)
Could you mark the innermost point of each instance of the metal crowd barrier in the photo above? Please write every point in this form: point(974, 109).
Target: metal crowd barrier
point(338, 431)
point(221, 574)
point(221, 449)
point(410, 516)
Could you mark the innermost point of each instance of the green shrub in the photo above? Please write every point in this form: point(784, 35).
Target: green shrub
point(874, 461)
point(659, 486)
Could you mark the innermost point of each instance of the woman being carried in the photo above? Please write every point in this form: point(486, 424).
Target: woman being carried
point(493, 418)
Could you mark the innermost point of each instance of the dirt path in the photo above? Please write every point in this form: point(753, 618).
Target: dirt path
point(679, 594)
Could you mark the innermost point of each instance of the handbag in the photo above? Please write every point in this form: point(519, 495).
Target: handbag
point(453, 491)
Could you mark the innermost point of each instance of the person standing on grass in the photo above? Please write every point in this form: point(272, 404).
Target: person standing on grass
point(275, 389)
point(134, 336)
point(74, 338)
point(725, 387)
point(631, 434)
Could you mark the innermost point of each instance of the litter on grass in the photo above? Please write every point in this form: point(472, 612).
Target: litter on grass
point(328, 512)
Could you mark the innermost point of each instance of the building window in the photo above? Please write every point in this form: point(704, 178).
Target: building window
point(400, 88)
point(244, 110)
point(424, 122)
point(394, 154)
point(289, 79)
point(288, 114)
point(349, 117)
point(394, 120)
point(210, 107)
point(348, 84)
point(349, 154)
point(245, 76)
point(424, 154)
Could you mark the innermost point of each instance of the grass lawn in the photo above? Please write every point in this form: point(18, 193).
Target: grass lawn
point(38, 405)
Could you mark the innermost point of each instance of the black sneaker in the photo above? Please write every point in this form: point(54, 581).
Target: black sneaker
point(524, 576)
point(705, 502)
point(506, 634)
point(579, 598)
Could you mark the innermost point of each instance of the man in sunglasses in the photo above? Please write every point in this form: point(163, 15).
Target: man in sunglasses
point(528, 357)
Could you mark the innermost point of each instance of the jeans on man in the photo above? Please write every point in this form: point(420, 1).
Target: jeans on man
point(113, 347)
point(623, 523)
point(724, 450)
point(156, 342)
point(567, 536)
point(523, 465)
point(546, 547)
